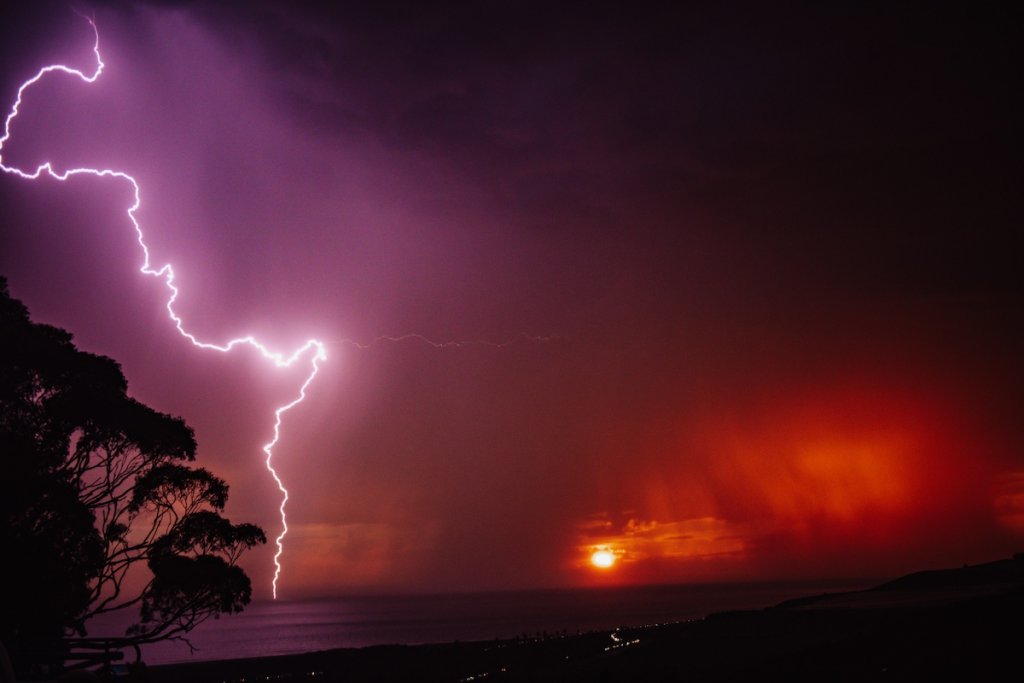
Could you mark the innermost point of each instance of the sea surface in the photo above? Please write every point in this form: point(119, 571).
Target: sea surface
point(295, 626)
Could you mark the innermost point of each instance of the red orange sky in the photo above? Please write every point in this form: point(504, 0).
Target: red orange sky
point(771, 254)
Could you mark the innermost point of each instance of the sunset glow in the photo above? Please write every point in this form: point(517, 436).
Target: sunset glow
point(603, 559)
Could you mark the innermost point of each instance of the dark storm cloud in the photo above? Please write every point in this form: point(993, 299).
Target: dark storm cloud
point(845, 142)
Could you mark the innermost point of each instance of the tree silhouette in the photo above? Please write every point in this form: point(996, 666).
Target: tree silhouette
point(96, 487)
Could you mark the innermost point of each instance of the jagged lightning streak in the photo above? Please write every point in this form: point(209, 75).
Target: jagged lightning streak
point(315, 349)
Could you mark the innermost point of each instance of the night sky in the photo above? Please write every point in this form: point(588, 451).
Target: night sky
point(746, 278)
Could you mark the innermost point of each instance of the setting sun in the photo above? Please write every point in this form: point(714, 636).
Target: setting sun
point(603, 558)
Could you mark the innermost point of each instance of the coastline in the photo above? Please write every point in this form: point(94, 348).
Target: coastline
point(299, 626)
point(938, 625)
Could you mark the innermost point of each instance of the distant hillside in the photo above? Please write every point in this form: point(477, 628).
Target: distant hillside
point(932, 587)
point(988, 574)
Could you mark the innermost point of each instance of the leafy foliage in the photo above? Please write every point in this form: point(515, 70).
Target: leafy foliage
point(97, 485)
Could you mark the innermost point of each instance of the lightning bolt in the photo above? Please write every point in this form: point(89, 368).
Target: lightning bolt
point(416, 337)
point(314, 349)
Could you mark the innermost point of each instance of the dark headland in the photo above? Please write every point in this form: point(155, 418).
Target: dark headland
point(952, 624)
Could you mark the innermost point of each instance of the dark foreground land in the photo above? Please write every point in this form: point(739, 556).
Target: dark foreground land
point(958, 624)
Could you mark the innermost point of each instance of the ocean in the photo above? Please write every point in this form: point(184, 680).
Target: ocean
point(295, 626)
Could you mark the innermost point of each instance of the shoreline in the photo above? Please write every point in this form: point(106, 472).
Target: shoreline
point(928, 625)
point(296, 627)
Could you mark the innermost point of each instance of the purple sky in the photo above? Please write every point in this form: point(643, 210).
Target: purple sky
point(776, 252)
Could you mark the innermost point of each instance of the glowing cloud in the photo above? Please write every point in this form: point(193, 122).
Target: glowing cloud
point(642, 540)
